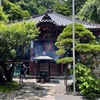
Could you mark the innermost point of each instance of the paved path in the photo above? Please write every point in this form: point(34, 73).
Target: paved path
point(61, 92)
point(31, 90)
point(55, 90)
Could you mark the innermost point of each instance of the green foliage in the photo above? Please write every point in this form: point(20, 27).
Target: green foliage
point(65, 60)
point(90, 15)
point(85, 42)
point(30, 6)
point(9, 87)
point(13, 36)
point(60, 51)
point(87, 83)
point(18, 34)
point(3, 16)
point(14, 11)
point(12, 52)
point(42, 9)
point(95, 49)
point(33, 7)
point(62, 9)
point(78, 5)
point(17, 8)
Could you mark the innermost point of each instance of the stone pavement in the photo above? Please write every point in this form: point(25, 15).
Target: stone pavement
point(61, 93)
point(55, 90)
point(31, 90)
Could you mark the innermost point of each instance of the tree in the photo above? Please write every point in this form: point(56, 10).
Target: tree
point(90, 15)
point(14, 36)
point(57, 5)
point(14, 11)
point(78, 5)
point(86, 82)
point(62, 9)
point(86, 48)
point(86, 45)
point(18, 9)
point(30, 6)
point(3, 17)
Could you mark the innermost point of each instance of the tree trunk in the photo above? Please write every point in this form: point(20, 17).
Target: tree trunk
point(8, 71)
point(2, 80)
point(8, 76)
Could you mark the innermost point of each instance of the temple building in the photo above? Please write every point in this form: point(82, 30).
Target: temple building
point(51, 25)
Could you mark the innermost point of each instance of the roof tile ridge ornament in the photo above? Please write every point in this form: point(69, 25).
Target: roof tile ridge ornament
point(46, 17)
point(49, 10)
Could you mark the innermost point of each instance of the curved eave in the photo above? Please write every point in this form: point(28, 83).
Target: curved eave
point(47, 21)
point(97, 29)
point(61, 20)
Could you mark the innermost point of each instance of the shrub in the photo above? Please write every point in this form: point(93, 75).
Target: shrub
point(87, 83)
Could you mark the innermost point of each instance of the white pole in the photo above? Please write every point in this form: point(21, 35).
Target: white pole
point(31, 46)
point(31, 55)
point(0, 2)
point(73, 11)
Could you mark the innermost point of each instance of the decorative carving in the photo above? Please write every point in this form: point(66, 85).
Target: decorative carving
point(46, 17)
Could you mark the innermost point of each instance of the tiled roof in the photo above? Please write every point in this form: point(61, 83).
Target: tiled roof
point(62, 20)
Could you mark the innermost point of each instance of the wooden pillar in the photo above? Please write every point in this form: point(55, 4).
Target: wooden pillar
point(49, 70)
point(39, 66)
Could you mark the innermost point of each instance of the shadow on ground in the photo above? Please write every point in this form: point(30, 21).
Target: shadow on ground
point(30, 91)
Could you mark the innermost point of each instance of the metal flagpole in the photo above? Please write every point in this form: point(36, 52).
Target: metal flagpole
point(73, 29)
